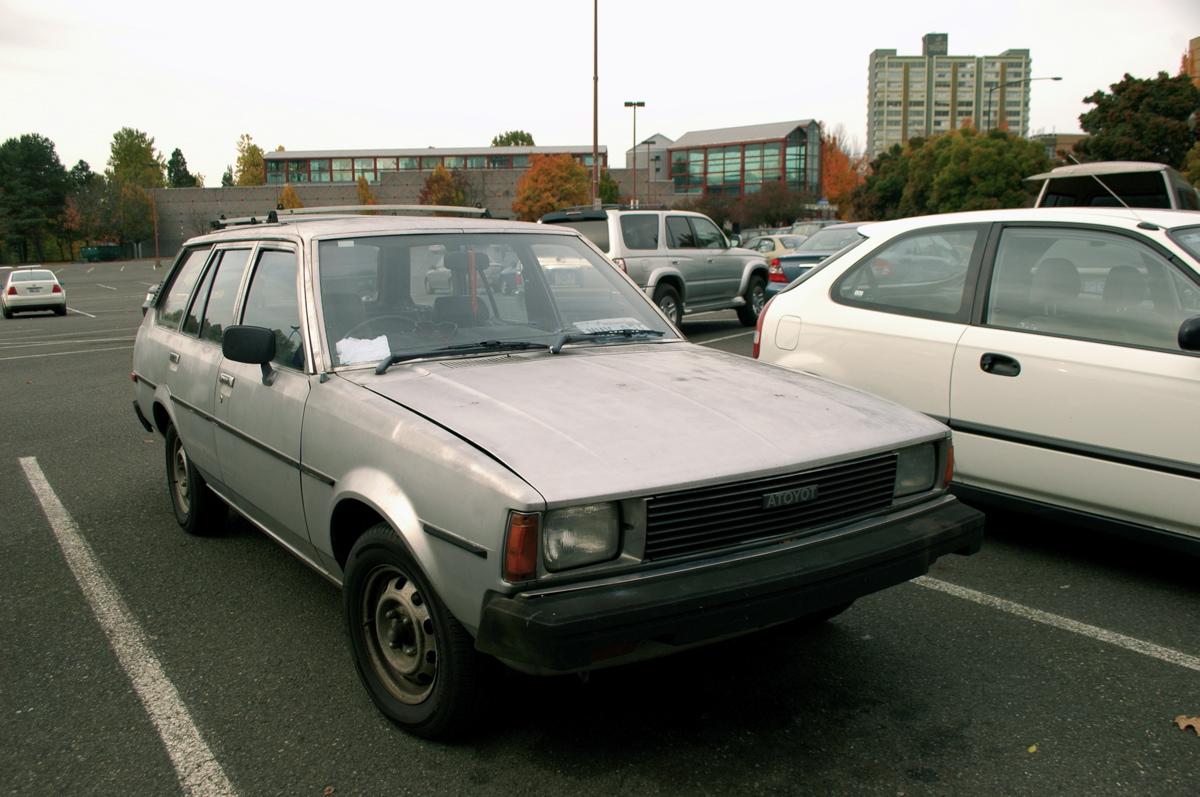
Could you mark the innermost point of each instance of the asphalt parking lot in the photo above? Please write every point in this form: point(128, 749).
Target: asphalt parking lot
point(1052, 662)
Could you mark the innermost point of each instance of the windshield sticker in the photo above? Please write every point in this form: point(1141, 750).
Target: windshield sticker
point(609, 325)
point(358, 350)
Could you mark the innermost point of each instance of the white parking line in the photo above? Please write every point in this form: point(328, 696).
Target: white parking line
point(63, 353)
point(90, 270)
point(76, 310)
point(726, 337)
point(31, 344)
point(111, 288)
point(1159, 652)
point(198, 771)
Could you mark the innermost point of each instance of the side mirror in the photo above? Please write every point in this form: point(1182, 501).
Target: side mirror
point(1189, 334)
point(253, 345)
point(735, 240)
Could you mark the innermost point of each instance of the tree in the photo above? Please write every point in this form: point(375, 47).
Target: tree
point(251, 166)
point(288, 198)
point(773, 205)
point(365, 197)
point(91, 203)
point(552, 182)
point(960, 170)
point(134, 169)
point(610, 191)
point(439, 189)
point(178, 175)
point(513, 138)
point(1142, 120)
point(1191, 165)
point(839, 172)
point(227, 177)
point(33, 192)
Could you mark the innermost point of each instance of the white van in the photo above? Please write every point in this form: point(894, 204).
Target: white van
point(1139, 184)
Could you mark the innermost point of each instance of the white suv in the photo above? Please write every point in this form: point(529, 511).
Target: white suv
point(679, 258)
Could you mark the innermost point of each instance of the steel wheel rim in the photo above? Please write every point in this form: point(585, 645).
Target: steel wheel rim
point(758, 298)
point(668, 305)
point(399, 634)
point(179, 477)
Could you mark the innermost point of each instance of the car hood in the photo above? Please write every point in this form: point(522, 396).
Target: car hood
point(621, 420)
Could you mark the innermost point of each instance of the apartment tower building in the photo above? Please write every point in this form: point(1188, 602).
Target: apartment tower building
point(913, 96)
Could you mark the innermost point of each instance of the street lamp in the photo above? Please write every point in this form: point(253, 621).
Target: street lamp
point(1017, 82)
point(635, 104)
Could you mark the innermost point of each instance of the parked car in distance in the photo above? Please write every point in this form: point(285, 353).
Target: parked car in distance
point(31, 289)
point(831, 238)
point(807, 227)
point(1138, 184)
point(681, 259)
point(554, 478)
point(771, 245)
point(1062, 346)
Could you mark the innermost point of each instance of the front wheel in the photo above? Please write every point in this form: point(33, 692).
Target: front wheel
point(418, 664)
point(756, 300)
point(667, 299)
point(197, 508)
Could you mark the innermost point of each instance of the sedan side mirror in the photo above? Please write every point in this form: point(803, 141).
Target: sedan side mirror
point(1189, 334)
point(252, 345)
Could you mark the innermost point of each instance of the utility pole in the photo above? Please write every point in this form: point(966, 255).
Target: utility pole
point(595, 103)
point(635, 104)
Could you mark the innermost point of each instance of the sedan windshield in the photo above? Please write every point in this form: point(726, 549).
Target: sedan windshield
point(404, 297)
point(831, 239)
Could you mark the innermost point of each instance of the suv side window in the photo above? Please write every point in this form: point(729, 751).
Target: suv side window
point(176, 294)
point(1089, 284)
point(640, 230)
point(679, 233)
point(708, 236)
point(922, 275)
point(222, 296)
point(271, 302)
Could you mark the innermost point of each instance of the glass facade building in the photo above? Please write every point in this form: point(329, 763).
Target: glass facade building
point(348, 166)
point(735, 161)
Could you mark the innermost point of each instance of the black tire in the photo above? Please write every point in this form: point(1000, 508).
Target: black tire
point(667, 299)
point(417, 662)
point(8, 313)
point(197, 508)
point(756, 300)
point(60, 310)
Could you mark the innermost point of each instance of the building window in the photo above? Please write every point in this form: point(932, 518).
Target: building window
point(406, 164)
point(520, 162)
point(365, 167)
point(343, 171)
point(499, 162)
point(476, 162)
point(275, 172)
point(430, 163)
point(454, 161)
point(318, 171)
point(385, 165)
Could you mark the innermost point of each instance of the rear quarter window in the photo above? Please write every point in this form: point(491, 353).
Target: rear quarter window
point(595, 230)
point(640, 230)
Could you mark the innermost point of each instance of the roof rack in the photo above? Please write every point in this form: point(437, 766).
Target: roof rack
point(274, 216)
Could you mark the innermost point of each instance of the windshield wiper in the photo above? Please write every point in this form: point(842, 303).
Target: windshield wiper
point(459, 348)
point(582, 337)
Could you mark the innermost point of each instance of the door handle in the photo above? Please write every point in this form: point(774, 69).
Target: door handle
point(999, 364)
point(173, 357)
point(226, 379)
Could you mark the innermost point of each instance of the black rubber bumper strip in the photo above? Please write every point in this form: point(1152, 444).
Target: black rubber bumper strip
point(572, 630)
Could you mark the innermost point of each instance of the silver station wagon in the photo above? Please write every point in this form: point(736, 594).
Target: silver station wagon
point(553, 476)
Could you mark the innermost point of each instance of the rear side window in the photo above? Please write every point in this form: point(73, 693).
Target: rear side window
point(177, 292)
point(640, 230)
point(222, 296)
point(923, 274)
point(595, 230)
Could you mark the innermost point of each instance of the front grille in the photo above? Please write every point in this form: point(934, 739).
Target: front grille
point(709, 518)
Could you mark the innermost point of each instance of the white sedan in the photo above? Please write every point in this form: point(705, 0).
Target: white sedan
point(28, 289)
point(1062, 346)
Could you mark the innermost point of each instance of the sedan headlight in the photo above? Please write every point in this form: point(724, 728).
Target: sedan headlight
point(580, 535)
point(916, 469)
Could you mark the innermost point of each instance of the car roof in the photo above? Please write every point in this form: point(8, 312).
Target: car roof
point(1115, 217)
point(307, 228)
point(1100, 168)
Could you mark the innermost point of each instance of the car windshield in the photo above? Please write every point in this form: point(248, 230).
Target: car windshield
point(1188, 238)
point(405, 296)
point(831, 238)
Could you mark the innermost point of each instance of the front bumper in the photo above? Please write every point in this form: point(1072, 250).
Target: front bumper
point(576, 629)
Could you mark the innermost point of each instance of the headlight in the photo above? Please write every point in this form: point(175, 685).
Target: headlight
point(916, 468)
point(580, 535)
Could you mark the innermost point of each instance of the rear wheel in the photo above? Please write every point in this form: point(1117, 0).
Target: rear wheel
point(418, 664)
point(756, 300)
point(60, 310)
point(197, 508)
point(7, 313)
point(667, 299)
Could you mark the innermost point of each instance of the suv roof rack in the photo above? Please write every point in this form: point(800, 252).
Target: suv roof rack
point(280, 215)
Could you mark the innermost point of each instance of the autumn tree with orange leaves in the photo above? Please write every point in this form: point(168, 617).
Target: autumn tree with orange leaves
point(288, 198)
point(553, 182)
point(441, 189)
point(841, 172)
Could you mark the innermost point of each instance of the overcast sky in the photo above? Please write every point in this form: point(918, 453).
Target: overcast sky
point(350, 74)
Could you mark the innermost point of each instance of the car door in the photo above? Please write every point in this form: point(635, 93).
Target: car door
point(684, 254)
point(259, 412)
point(641, 245)
point(722, 270)
point(1072, 390)
point(194, 354)
point(891, 330)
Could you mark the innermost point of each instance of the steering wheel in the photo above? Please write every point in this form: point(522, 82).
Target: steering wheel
point(368, 322)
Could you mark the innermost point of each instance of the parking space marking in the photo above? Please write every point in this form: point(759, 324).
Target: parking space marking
point(77, 310)
point(30, 344)
point(726, 337)
point(90, 270)
point(1169, 655)
point(198, 771)
point(109, 287)
point(64, 353)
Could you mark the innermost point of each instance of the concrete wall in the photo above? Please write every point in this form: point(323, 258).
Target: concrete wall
point(186, 212)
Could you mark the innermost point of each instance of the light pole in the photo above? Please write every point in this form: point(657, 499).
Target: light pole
point(635, 104)
point(595, 103)
point(1017, 82)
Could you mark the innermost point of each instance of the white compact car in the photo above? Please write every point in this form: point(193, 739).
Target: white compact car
point(29, 289)
point(1062, 346)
